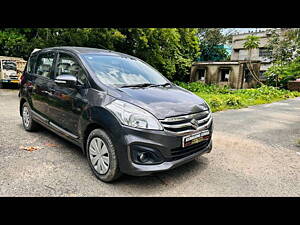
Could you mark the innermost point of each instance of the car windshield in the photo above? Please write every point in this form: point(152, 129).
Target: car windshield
point(123, 71)
point(9, 65)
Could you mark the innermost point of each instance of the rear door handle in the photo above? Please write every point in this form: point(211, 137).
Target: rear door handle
point(52, 91)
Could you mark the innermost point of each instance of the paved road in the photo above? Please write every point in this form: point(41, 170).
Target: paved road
point(254, 154)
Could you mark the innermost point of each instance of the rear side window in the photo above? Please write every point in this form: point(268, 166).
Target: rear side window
point(31, 63)
point(44, 64)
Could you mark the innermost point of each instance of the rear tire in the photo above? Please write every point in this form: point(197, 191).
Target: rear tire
point(102, 157)
point(28, 123)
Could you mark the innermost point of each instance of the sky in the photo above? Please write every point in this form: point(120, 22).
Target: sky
point(244, 30)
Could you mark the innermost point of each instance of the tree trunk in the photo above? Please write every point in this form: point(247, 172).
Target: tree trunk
point(251, 69)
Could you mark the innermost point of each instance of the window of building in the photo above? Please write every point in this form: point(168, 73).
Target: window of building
point(201, 74)
point(224, 74)
point(265, 53)
point(247, 76)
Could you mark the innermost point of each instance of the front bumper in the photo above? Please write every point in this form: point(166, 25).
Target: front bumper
point(167, 145)
point(9, 81)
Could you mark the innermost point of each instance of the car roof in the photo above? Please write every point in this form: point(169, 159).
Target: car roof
point(85, 50)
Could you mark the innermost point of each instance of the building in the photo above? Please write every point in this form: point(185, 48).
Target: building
point(261, 53)
point(235, 73)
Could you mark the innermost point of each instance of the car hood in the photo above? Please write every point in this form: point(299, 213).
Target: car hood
point(162, 102)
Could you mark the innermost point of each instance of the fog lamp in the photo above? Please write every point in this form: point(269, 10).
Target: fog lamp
point(145, 155)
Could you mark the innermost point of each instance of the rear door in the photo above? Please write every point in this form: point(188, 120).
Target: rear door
point(67, 104)
point(42, 79)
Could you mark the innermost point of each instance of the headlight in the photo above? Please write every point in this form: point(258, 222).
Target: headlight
point(133, 116)
point(208, 106)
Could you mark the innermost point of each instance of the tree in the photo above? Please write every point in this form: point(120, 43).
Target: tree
point(284, 45)
point(170, 50)
point(212, 42)
point(279, 75)
point(251, 43)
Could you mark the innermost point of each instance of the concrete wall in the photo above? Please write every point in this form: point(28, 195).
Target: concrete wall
point(212, 75)
point(238, 41)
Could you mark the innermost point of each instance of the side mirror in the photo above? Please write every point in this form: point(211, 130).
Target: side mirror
point(67, 80)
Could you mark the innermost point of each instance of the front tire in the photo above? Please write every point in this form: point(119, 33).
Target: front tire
point(102, 156)
point(28, 123)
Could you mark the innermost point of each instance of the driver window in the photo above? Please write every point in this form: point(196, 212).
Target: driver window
point(67, 65)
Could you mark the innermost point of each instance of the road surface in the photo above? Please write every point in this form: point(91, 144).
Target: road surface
point(255, 153)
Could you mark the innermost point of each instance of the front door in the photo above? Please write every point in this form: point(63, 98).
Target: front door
point(67, 104)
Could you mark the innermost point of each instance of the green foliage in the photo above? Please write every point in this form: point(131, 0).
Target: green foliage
point(12, 42)
point(215, 102)
point(251, 42)
point(234, 101)
point(220, 98)
point(204, 88)
point(211, 44)
point(171, 50)
point(284, 45)
point(279, 74)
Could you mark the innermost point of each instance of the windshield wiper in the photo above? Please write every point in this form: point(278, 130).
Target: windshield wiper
point(146, 85)
point(138, 85)
point(162, 85)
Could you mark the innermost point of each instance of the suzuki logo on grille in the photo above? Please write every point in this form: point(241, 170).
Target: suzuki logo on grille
point(194, 123)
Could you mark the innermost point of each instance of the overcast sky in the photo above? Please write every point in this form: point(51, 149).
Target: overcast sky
point(244, 30)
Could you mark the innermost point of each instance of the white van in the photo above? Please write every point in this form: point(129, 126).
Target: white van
point(11, 69)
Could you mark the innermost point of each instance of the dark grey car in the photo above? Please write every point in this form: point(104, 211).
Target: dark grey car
point(124, 114)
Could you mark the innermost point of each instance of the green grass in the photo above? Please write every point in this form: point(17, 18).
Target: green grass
point(221, 98)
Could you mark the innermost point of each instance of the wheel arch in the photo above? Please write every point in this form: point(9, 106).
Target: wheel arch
point(22, 101)
point(100, 119)
point(92, 126)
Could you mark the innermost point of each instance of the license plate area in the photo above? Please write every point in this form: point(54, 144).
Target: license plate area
point(195, 138)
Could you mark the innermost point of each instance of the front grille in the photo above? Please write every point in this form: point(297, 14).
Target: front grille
point(181, 125)
point(13, 77)
point(178, 153)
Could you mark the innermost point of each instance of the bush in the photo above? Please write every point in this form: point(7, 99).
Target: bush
point(204, 88)
point(234, 101)
point(215, 102)
point(220, 98)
